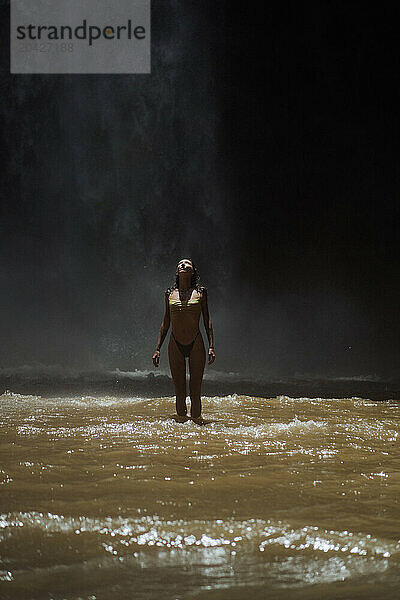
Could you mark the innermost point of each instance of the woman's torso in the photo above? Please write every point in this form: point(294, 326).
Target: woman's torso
point(185, 311)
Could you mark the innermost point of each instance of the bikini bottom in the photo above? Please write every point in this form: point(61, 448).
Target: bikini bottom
point(185, 349)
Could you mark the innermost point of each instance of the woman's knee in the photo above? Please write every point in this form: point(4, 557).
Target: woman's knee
point(180, 387)
point(196, 378)
point(195, 387)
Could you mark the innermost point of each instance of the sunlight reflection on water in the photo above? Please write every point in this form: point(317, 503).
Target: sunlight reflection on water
point(271, 494)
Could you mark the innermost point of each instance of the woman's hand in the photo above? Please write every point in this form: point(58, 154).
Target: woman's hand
point(156, 358)
point(211, 356)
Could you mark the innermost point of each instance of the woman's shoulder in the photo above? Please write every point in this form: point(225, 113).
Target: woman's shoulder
point(171, 292)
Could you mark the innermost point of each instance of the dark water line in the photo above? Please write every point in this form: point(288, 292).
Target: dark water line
point(161, 385)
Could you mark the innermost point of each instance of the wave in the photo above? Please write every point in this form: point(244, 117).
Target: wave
point(123, 535)
point(55, 380)
point(45, 370)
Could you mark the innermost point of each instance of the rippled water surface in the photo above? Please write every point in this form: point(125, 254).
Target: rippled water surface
point(105, 498)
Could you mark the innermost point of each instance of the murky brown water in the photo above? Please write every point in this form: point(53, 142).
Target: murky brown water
point(105, 498)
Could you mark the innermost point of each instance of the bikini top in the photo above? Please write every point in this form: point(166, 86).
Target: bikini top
point(192, 306)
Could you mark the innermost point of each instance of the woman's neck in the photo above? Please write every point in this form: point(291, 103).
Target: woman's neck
point(185, 281)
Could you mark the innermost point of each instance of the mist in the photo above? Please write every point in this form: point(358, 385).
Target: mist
point(248, 155)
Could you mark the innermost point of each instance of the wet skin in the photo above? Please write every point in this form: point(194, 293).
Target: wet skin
point(185, 325)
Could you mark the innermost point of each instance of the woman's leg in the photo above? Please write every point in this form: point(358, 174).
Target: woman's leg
point(197, 361)
point(178, 372)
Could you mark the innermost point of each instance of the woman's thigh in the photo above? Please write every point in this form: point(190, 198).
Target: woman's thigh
point(177, 364)
point(197, 361)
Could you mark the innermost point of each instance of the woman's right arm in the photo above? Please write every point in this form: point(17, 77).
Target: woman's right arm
point(163, 331)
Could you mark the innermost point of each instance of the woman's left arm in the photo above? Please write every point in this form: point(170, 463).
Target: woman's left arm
point(208, 326)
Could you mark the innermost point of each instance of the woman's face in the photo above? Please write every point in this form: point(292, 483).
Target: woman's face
point(185, 266)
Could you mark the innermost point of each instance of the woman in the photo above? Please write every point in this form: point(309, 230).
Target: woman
point(185, 300)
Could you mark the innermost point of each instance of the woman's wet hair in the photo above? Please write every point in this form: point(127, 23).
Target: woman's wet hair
point(195, 282)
